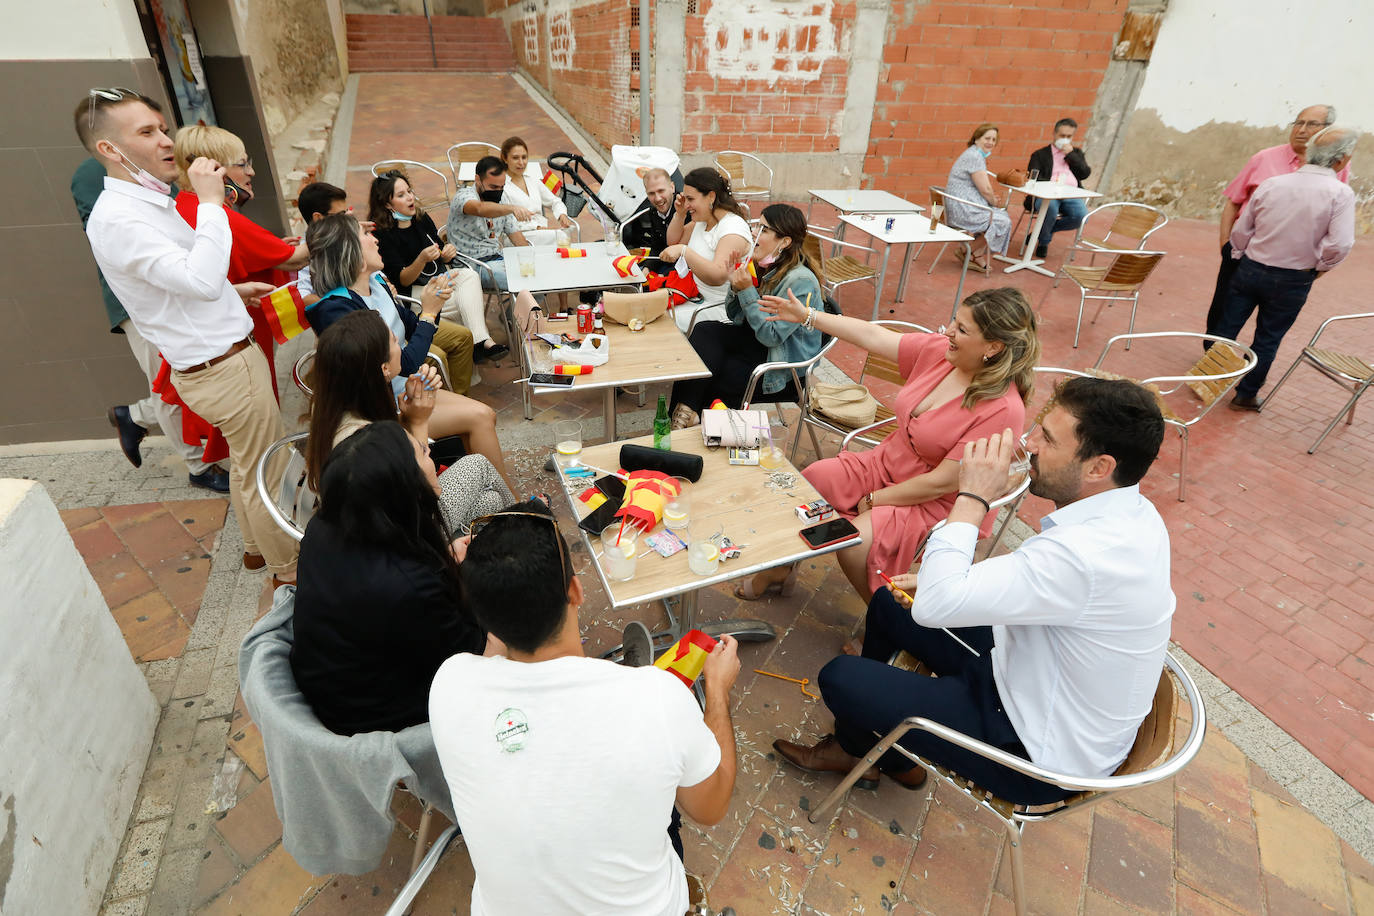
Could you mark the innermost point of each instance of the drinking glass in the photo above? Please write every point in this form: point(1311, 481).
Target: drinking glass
point(677, 509)
point(703, 553)
point(619, 544)
point(524, 256)
point(567, 441)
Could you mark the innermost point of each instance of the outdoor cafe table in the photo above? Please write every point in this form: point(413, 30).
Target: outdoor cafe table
point(1042, 190)
point(859, 200)
point(907, 229)
point(659, 353)
point(754, 515)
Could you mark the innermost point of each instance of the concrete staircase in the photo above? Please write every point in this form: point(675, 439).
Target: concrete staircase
point(397, 42)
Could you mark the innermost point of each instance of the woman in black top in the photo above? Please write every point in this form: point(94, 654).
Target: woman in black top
point(378, 602)
point(412, 254)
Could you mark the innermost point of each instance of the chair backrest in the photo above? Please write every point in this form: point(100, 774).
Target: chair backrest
point(468, 151)
point(883, 368)
point(1218, 362)
point(731, 164)
point(1136, 222)
point(302, 369)
point(1132, 268)
point(289, 502)
point(430, 185)
point(1154, 740)
point(1210, 377)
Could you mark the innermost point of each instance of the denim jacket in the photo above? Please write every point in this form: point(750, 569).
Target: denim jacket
point(786, 342)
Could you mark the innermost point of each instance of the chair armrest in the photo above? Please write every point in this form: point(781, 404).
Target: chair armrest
point(762, 368)
point(1335, 318)
point(854, 434)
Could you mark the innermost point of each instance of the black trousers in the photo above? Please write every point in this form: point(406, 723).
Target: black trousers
point(1225, 272)
point(867, 695)
point(731, 352)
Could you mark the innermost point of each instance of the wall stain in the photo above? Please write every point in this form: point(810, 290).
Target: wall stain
point(7, 850)
point(1185, 172)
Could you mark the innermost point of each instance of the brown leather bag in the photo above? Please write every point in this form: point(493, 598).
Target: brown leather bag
point(1012, 178)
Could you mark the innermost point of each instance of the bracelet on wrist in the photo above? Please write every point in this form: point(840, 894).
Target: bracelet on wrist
point(987, 507)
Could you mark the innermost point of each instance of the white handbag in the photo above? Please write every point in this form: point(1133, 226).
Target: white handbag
point(733, 428)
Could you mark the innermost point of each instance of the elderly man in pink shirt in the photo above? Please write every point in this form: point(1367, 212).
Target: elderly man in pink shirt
point(1295, 228)
point(1275, 160)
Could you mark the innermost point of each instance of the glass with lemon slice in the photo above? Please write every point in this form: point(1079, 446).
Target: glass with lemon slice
point(677, 509)
point(703, 553)
point(567, 441)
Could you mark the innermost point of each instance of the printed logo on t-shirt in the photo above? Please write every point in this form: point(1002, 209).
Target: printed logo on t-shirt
point(511, 729)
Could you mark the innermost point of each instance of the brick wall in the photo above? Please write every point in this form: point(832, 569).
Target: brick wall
point(580, 53)
point(948, 66)
point(765, 87)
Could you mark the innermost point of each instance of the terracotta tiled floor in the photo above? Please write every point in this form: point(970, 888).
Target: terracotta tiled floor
point(1268, 569)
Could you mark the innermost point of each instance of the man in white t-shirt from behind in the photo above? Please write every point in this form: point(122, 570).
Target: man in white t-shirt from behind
point(564, 769)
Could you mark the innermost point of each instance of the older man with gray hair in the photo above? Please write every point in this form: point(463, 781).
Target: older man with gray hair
point(1296, 228)
point(1268, 162)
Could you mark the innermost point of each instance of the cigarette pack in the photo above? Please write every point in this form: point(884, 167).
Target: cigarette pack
point(818, 510)
point(748, 456)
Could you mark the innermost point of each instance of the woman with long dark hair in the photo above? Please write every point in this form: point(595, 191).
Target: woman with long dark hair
point(719, 240)
point(732, 349)
point(355, 361)
point(379, 606)
point(345, 268)
point(412, 254)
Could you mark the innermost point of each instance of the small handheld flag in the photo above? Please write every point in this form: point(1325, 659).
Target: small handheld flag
point(552, 181)
point(285, 312)
point(686, 657)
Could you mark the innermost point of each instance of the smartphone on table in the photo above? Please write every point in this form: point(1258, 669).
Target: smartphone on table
point(827, 533)
point(551, 380)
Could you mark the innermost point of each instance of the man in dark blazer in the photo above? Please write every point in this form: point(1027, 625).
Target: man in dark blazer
point(1063, 163)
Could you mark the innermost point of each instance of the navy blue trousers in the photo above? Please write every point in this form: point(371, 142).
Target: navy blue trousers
point(1062, 216)
point(867, 695)
point(1279, 294)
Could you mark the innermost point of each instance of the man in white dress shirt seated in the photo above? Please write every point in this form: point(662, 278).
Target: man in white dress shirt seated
point(1070, 629)
point(565, 770)
point(172, 280)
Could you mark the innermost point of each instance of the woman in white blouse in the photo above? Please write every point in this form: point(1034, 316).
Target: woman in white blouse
point(522, 191)
point(718, 243)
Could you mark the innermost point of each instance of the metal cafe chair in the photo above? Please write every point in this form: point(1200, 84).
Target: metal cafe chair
point(1155, 757)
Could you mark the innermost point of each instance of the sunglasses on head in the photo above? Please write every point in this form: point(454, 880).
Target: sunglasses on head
point(110, 94)
point(481, 523)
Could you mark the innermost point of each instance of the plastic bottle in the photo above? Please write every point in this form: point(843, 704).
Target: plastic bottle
point(662, 427)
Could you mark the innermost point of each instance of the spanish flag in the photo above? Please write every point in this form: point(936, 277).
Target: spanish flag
point(625, 264)
point(572, 252)
point(686, 657)
point(552, 181)
point(285, 312)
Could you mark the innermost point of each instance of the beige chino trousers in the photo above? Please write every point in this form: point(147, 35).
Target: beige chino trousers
point(236, 395)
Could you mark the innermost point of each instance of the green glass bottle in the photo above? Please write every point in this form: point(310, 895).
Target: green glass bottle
point(662, 427)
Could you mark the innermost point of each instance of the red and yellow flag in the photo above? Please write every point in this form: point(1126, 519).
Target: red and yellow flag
point(686, 657)
point(552, 181)
point(572, 252)
point(285, 312)
point(625, 264)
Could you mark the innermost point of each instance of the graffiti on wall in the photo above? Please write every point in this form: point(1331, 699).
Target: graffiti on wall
point(764, 39)
point(562, 43)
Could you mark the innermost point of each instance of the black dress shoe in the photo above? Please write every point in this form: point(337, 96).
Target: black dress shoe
point(1245, 402)
point(1042, 251)
point(493, 352)
point(212, 478)
point(130, 433)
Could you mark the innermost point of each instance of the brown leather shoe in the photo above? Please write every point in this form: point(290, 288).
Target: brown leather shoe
point(253, 561)
point(912, 779)
point(825, 757)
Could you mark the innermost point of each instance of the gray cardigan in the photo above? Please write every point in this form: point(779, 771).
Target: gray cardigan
point(333, 794)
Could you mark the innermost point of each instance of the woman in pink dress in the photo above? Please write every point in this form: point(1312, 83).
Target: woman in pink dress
point(962, 385)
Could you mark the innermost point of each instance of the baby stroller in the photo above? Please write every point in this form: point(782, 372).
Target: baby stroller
point(620, 195)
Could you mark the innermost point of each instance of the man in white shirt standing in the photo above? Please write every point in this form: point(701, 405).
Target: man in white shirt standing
point(564, 769)
point(1070, 629)
point(172, 280)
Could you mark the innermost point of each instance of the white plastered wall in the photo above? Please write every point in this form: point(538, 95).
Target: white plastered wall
point(71, 30)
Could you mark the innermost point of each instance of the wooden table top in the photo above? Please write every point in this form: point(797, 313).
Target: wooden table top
point(750, 513)
point(659, 353)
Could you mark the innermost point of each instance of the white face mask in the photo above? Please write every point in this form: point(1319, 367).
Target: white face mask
point(142, 176)
point(1064, 143)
